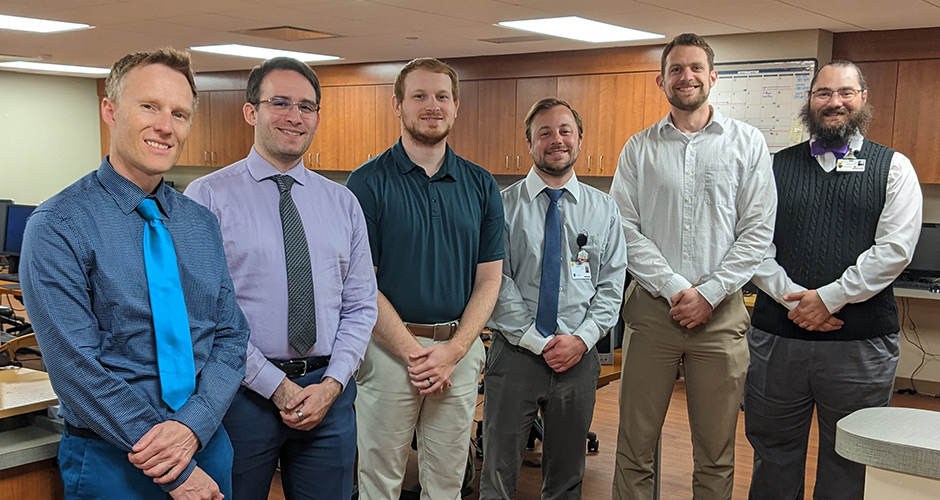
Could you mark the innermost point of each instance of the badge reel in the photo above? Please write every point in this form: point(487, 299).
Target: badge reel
point(580, 269)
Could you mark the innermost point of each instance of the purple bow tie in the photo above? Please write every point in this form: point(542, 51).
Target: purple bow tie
point(816, 149)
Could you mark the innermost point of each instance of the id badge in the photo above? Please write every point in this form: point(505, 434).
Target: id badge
point(580, 270)
point(850, 165)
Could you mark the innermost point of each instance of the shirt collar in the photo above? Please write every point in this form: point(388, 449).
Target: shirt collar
point(717, 123)
point(405, 165)
point(128, 195)
point(534, 185)
point(261, 169)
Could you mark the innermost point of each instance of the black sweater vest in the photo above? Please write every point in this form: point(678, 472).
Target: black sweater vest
point(824, 222)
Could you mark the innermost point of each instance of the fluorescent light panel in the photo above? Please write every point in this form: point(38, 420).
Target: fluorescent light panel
point(578, 28)
point(235, 49)
point(56, 68)
point(38, 25)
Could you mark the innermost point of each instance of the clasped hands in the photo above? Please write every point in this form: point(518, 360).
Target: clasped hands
point(430, 368)
point(164, 452)
point(302, 408)
point(811, 313)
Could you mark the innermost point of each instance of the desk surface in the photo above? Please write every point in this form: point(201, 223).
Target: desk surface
point(23, 390)
point(16, 292)
point(609, 373)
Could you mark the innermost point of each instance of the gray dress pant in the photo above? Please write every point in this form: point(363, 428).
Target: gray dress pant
point(519, 384)
point(787, 378)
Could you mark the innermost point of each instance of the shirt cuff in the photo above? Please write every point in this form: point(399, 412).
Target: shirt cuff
point(199, 420)
point(833, 296)
point(589, 333)
point(176, 483)
point(676, 284)
point(339, 371)
point(712, 292)
point(267, 380)
point(533, 340)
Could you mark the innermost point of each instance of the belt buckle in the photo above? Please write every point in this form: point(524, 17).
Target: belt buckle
point(303, 363)
point(445, 327)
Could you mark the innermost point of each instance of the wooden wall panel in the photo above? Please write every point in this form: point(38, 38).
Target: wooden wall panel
point(918, 117)
point(387, 125)
point(463, 137)
point(359, 134)
point(888, 45)
point(882, 80)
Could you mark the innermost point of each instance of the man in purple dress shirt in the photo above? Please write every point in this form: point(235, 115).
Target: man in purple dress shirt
point(294, 408)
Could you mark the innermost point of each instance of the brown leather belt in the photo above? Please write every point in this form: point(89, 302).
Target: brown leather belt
point(438, 331)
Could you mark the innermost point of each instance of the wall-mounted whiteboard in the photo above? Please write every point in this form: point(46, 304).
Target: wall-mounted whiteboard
point(767, 95)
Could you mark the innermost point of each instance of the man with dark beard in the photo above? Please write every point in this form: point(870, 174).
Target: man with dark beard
point(562, 284)
point(697, 199)
point(825, 322)
point(435, 225)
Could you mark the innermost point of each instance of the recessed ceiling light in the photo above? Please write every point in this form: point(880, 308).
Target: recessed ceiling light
point(55, 68)
point(235, 49)
point(38, 25)
point(578, 28)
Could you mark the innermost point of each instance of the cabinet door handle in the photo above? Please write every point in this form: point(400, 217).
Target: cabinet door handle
point(507, 162)
point(212, 156)
point(318, 159)
point(601, 164)
point(205, 156)
point(517, 162)
point(589, 163)
point(310, 160)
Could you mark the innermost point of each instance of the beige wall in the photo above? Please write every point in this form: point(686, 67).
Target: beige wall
point(49, 134)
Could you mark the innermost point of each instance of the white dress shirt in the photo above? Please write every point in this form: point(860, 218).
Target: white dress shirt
point(698, 209)
point(896, 236)
point(587, 308)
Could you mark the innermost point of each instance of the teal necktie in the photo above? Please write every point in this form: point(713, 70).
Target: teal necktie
point(170, 321)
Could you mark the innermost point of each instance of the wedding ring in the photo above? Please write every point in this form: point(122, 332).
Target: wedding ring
point(430, 382)
point(300, 414)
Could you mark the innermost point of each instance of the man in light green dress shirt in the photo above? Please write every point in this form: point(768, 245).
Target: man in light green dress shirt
point(554, 372)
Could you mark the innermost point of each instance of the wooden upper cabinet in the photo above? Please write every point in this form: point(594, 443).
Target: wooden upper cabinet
point(583, 94)
point(882, 80)
point(230, 136)
point(198, 146)
point(495, 135)
point(359, 134)
point(387, 125)
point(655, 105)
point(918, 113)
point(219, 134)
point(327, 151)
point(528, 92)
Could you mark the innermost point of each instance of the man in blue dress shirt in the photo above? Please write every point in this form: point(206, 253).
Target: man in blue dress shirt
point(85, 285)
point(296, 402)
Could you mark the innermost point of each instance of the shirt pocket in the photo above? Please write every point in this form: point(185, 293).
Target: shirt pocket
point(721, 184)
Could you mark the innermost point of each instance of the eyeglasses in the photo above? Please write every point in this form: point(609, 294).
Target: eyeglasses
point(845, 95)
point(283, 105)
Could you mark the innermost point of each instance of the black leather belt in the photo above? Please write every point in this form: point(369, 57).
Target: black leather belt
point(81, 432)
point(294, 368)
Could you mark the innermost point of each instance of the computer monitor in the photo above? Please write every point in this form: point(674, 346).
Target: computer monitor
point(926, 260)
point(13, 234)
point(3, 220)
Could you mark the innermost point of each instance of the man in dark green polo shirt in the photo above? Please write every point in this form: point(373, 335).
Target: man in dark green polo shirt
point(435, 225)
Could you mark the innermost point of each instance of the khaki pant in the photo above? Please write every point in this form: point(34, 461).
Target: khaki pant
point(389, 410)
point(715, 357)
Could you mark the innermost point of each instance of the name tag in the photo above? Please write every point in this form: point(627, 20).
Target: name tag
point(580, 270)
point(850, 165)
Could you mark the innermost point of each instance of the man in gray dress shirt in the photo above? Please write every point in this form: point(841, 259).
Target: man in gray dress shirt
point(551, 369)
point(697, 198)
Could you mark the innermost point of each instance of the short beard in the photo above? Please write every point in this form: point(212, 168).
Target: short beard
point(678, 103)
point(829, 137)
point(426, 139)
point(551, 171)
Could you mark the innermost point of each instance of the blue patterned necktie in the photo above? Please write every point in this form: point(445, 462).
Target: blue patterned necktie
point(301, 310)
point(170, 320)
point(546, 319)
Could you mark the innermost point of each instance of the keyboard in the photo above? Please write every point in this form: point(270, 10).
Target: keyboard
point(10, 277)
point(926, 284)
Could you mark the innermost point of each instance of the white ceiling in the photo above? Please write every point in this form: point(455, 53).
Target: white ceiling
point(394, 30)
